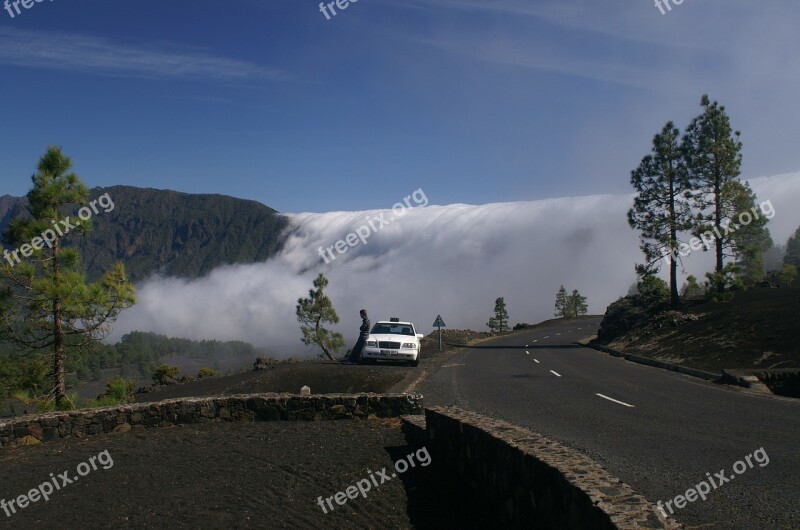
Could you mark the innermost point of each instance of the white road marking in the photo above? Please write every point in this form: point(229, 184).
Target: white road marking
point(536, 341)
point(616, 401)
point(547, 337)
point(555, 373)
point(570, 331)
point(527, 352)
point(526, 345)
point(537, 361)
point(557, 334)
point(452, 365)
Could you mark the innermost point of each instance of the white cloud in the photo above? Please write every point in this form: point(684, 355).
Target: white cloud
point(450, 260)
point(74, 52)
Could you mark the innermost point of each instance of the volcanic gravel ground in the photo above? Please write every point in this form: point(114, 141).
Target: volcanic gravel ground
point(226, 475)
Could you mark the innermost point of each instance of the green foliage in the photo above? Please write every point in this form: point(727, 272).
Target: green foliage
point(750, 238)
point(713, 156)
point(312, 313)
point(45, 402)
point(499, 322)
point(570, 306)
point(721, 284)
point(180, 234)
point(137, 355)
point(661, 209)
point(576, 304)
point(653, 288)
point(206, 372)
point(692, 289)
point(694, 188)
point(792, 256)
point(561, 302)
point(45, 301)
point(118, 392)
point(165, 373)
point(788, 275)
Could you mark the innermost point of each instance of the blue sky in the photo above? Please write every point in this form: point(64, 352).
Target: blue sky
point(475, 102)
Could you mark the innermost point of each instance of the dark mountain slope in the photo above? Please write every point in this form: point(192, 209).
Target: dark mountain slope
point(177, 234)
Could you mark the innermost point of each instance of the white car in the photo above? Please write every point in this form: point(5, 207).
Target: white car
point(392, 341)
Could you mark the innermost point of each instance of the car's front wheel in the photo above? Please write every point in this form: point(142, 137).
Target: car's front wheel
point(415, 362)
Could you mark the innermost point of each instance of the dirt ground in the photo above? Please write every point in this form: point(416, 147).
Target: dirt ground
point(758, 329)
point(246, 475)
point(321, 377)
point(324, 377)
point(226, 475)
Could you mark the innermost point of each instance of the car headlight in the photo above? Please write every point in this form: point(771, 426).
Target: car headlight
point(409, 346)
point(372, 343)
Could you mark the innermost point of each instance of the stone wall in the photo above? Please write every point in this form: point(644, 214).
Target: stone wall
point(33, 429)
point(523, 480)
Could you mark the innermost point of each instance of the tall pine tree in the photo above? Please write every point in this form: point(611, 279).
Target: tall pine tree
point(749, 238)
point(561, 302)
point(661, 209)
point(713, 154)
point(577, 304)
point(45, 301)
point(792, 256)
point(499, 321)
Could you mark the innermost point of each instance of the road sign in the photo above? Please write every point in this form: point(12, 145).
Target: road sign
point(439, 323)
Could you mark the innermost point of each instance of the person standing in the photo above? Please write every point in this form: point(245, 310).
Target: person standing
point(355, 355)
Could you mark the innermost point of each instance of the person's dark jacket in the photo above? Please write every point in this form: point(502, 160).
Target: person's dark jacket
point(365, 327)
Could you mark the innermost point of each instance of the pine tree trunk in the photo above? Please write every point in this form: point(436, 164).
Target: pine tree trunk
point(58, 364)
point(673, 238)
point(718, 238)
point(58, 334)
point(321, 345)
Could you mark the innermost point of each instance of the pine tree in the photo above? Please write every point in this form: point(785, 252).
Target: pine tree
point(712, 151)
point(313, 312)
point(561, 302)
point(692, 289)
point(787, 275)
point(792, 256)
point(45, 301)
point(661, 209)
point(749, 237)
point(499, 322)
point(577, 304)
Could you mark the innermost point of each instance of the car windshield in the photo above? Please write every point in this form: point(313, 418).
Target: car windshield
point(383, 328)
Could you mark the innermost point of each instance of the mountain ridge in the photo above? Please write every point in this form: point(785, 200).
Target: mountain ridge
point(171, 232)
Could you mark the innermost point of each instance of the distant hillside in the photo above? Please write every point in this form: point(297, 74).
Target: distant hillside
point(177, 234)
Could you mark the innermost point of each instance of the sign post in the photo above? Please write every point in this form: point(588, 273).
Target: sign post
point(439, 323)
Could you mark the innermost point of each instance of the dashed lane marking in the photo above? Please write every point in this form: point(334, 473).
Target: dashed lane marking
point(555, 373)
point(616, 401)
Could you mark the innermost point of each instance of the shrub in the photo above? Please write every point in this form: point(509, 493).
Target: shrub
point(653, 288)
point(788, 275)
point(118, 392)
point(206, 372)
point(165, 374)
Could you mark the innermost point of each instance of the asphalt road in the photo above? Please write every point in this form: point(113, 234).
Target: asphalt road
point(659, 431)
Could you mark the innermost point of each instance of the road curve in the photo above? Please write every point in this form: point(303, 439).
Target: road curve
point(659, 431)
